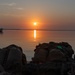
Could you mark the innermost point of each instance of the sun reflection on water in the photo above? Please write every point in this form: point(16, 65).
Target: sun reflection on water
point(35, 35)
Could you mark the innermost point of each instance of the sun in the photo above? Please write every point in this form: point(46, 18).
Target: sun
point(35, 23)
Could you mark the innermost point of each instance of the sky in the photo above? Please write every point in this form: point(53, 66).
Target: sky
point(49, 14)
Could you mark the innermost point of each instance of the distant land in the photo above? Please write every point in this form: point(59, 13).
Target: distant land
point(38, 29)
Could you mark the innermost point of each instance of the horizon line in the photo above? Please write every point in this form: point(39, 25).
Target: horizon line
point(40, 29)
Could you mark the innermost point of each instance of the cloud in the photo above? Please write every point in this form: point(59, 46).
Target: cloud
point(12, 4)
point(19, 8)
point(12, 15)
point(8, 4)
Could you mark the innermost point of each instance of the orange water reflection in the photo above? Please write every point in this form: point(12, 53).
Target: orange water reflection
point(35, 35)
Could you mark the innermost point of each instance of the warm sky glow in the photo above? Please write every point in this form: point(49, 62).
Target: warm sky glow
point(51, 14)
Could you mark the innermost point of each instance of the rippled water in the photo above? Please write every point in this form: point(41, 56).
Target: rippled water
point(28, 39)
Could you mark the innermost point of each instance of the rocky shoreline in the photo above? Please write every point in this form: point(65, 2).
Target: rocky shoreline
point(49, 59)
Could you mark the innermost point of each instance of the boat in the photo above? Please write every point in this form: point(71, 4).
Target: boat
point(1, 30)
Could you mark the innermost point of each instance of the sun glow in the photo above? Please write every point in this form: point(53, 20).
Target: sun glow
point(35, 23)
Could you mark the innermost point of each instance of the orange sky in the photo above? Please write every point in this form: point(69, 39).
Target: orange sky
point(53, 14)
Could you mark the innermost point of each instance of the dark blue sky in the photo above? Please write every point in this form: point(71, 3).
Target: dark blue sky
point(53, 14)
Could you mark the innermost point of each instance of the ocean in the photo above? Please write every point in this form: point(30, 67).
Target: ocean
point(28, 39)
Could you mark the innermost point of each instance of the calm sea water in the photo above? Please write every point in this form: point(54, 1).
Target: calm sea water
point(28, 39)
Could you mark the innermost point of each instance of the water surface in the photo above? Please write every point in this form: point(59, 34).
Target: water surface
point(28, 39)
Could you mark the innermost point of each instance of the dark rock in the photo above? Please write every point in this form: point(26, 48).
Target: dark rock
point(49, 59)
point(1, 68)
point(52, 51)
point(2, 55)
point(5, 73)
point(12, 59)
point(56, 55)
point(40, 55)
point(68, 48)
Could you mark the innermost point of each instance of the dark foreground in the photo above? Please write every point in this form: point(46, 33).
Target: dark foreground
point(49, 59)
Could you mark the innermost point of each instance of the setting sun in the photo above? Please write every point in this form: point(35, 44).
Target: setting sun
point(35, 23)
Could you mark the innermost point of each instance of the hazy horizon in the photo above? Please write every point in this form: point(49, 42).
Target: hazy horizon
point(38, 29)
